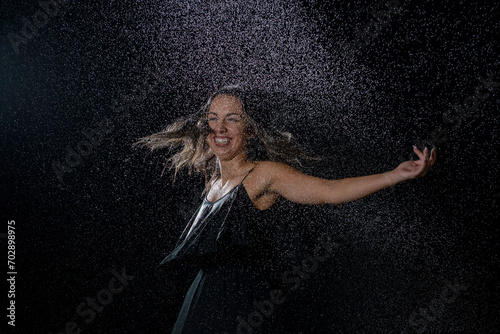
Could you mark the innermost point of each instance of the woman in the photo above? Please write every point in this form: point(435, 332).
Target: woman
point(248, 168)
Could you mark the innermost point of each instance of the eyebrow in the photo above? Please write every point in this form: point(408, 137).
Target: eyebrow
point(232, 113)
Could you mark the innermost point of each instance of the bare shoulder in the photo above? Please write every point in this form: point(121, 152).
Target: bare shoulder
point(268, 173)
point(273, 167)
point(260, 181)
point(264, 174)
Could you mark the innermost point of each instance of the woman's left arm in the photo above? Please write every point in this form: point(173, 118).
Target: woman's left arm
point(305, 189)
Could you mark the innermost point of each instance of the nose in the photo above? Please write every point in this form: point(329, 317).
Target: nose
point(219, 127)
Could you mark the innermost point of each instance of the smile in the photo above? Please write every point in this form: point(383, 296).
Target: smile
point(222, 141)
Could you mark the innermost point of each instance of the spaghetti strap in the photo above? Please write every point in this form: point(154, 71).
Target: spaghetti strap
point(242, 179)
point(247, 174)
point(237, 186)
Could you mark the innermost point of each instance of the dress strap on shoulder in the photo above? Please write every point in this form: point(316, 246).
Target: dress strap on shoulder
point(247, 174)
point(241, 180)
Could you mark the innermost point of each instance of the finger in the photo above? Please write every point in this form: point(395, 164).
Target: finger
point(430, 161)
point(418, 167)
point(426, 155)
point(433, 156)
point(417, 151)
point(427, 159)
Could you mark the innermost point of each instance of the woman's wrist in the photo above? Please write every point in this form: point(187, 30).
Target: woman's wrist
point(391, 178)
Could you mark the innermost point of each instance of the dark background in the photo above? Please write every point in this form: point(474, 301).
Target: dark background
point(361, 111)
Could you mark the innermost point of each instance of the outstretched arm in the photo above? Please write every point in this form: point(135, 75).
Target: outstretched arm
point(305, 189)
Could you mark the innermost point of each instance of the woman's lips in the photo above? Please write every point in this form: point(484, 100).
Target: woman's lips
point(222, 141)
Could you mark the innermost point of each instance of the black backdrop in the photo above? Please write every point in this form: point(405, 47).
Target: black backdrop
point(366, 81)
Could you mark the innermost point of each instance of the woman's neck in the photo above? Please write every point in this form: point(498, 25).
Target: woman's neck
point(234, 168)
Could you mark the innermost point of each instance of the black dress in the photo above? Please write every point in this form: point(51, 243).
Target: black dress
point(230, 240)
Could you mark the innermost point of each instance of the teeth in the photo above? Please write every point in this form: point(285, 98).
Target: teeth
point(222, 141)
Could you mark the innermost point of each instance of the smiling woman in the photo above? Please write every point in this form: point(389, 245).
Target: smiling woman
point(264, 142)
point(230, 236)
point(230, 132)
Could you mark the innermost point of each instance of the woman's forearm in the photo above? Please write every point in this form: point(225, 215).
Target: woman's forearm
point(354, 188)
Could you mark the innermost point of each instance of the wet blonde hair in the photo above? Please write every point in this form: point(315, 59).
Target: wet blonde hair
point(190, 134)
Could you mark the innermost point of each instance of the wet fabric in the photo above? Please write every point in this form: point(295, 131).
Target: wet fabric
point(231, 241)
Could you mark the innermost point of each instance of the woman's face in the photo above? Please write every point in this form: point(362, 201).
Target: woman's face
point(229, 135)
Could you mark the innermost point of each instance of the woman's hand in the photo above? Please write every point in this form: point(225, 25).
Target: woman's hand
point(412, 169)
